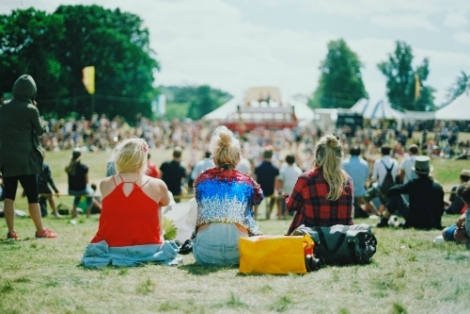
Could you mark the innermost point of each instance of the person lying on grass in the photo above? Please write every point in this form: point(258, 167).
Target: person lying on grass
point(460, 232)
point(130, 228)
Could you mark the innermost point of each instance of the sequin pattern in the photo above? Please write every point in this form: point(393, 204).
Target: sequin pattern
point(227, 196)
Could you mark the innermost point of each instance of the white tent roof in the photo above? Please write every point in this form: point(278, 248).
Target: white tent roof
point(378, 110)
point(224, 111)
point(301, 110)
point(459, 109)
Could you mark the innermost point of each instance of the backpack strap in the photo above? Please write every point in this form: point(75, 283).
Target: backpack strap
point(388, 169)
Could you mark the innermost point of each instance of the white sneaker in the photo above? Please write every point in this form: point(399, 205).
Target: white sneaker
point(439, 239)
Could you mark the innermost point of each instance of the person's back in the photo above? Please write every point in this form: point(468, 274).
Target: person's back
point(322, 196)
point(130, 213)
point(289, 175)
point(406, 172)
point(173, 172)
point(358, 169)
point(426, 197)
point(130, 228)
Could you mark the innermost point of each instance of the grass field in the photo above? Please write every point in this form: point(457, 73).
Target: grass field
point(408, 274)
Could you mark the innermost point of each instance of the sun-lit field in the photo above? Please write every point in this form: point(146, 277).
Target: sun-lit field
point(408, 274)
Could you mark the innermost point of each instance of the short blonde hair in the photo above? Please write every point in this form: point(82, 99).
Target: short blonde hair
point(328, 154)
point(131, 155)
point(225, 148)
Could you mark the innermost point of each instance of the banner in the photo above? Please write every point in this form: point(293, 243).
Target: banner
point(89, 79)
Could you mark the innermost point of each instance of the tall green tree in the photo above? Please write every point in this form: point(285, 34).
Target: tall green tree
point(340, 84)
point(55, 48)
point(202, 102)
point(118, 46)
point(405, 85)
point(460, 86)
point(29, 42)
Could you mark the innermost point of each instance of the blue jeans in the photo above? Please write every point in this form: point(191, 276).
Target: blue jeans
point(217, 245)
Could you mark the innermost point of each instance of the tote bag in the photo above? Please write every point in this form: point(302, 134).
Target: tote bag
point(275, 254)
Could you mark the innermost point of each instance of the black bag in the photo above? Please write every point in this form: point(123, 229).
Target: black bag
point(341, 244)
point(388, 181)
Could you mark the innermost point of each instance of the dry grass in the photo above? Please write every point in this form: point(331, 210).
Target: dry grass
point(409, 273)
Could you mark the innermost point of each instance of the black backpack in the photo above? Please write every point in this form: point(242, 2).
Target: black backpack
point(388, 182)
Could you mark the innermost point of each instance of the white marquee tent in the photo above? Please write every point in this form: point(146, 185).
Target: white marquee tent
point(459, 109)
point(379, 110)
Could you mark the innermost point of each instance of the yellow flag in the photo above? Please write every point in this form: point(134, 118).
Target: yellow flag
point(417, 87)
point(89, 79)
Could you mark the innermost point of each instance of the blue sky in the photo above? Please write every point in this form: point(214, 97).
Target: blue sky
point(235, 44)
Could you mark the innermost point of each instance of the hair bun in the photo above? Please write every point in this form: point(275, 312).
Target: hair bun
point(332, 141)
point(225, 139)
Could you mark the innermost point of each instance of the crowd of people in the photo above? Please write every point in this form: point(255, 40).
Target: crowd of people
point(317, 185)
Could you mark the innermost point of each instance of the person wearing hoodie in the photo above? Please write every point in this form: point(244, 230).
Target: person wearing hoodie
point(20, 153)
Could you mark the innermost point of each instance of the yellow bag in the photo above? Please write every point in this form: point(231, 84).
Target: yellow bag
point(274, 254)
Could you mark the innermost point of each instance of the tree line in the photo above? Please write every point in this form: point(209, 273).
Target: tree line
point(54, 48)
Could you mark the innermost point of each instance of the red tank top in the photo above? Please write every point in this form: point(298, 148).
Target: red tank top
point(129, 220)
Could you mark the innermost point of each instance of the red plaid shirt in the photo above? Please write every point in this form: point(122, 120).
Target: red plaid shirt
point(312, 208)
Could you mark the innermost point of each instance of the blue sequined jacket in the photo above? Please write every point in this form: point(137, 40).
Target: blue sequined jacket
point(227, 196)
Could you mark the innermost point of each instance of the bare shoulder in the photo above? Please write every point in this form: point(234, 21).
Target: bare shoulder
point(106, 186)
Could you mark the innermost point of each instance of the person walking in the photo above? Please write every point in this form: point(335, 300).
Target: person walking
point(20, 154)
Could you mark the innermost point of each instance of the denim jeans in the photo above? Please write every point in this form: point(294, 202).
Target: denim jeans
point(217, 245)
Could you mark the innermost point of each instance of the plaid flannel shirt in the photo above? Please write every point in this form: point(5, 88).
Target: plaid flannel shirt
point(312, 208)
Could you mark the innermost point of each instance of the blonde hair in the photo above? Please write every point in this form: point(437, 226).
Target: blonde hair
point(131, 155)
point(328, 154)
point(225, 148)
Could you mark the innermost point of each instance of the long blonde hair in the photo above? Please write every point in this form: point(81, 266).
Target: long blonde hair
point(225, 148)
point(328, 154)
point(131, 155)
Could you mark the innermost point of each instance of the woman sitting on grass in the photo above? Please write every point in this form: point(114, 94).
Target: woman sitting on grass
point(130, 227)
point(225, 200)
point(324, 195)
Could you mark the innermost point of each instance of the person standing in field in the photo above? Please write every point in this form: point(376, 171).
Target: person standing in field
point(77, 174)
point(45, 183)
point(20, 154)
point(288, 175)
point(266, 174)
point(173, 173)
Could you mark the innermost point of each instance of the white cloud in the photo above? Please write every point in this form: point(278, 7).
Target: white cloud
point(455, 20)
point(213, 41)
point(407, 21)
point(462, 37)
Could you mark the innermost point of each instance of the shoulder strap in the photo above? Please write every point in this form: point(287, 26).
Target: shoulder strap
point(388, 169)
point(114, 179)
point(145, 182)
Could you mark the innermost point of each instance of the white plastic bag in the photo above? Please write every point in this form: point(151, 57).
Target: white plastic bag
point(184, 216)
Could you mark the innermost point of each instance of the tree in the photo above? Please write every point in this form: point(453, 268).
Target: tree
point(460, 86)
point(405, 86)
point(28, 44)
point(203, 102)
point(340, 84)
point(119, 47)
point(55, 48)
